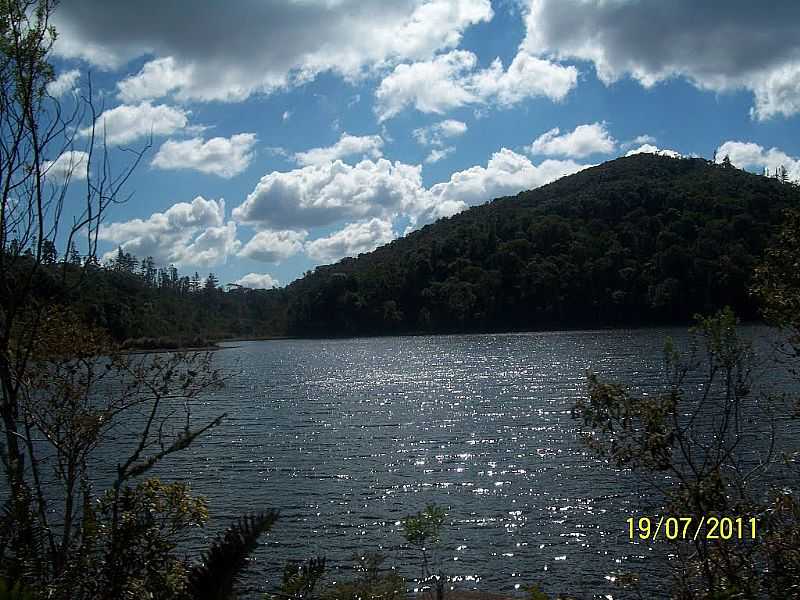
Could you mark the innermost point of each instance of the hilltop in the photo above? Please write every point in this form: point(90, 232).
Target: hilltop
point(639, 240)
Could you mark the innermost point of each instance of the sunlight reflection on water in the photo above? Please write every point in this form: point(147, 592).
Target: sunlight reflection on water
point(346, 437)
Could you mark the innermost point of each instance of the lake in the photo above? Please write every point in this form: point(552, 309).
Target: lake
point(346, 437)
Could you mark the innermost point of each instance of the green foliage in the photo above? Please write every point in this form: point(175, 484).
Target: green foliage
point(133, 554)
point(777, 278)
point(371, 583)
point(300, 579)
point(639, 240)
point(423, 531)
point(226, 559)
point(425, 527)
point(13, 592)
point(533, 592)
point(157, 307)
point(699, 432)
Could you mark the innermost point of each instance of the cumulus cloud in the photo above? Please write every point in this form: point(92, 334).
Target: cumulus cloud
point(436, 134)
point(451, 80)
point(582, 141)
point(156, 79)
point(642, 139)
point(748, 155)
point(224, 157)
point(228, 51)
point(274, 246)
point(651, 149)
point(368, 146)
point(437, 154)
point(527, 77)
point(258, 281)
point(505, 174)
point(353, 240)
point(187, 233)
point(777, 92)
point(64, 83)
point(127, 123)
point(70, 164)
point(739, 46)
point(319, 195)
point(433, 86)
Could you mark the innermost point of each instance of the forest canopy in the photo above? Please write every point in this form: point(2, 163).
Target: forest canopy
point(640, 240)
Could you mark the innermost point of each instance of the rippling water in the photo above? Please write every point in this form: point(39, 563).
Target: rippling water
point(346, 437)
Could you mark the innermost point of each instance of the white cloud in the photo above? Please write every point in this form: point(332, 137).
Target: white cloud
point(433, 86)
point(582, 141)
point(319, 195)
point(274, 246)
point(651, 149)
point(368, 146)
point(228, 51)
point(64, 83)
point(748, 155)
point(505, 174)
point(323, 194)
point(156, 79)
point(450, 81)
point(70, 164)
point(777, 93)
point(127, 123)
point(642, 139)
point(258, 281)
point(187, 233)
point(211, 247)
point(437, 154)
point(713, 47)
point(527, 77)
point(353, 240)
point(434, 135)
point(225, 157)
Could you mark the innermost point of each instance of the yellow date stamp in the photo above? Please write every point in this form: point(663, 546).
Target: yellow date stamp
point(692, 528)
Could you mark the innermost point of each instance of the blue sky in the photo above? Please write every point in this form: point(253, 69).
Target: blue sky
point(290, 133)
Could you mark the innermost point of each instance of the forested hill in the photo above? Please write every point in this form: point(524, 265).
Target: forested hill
point(639, 240)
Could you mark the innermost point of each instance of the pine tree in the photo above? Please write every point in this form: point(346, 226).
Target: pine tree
point(74, 255)
point(211, 283)
point(49, 252)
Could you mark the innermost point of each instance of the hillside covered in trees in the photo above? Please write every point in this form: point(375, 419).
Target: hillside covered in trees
point(639, 240)
point(145, 306)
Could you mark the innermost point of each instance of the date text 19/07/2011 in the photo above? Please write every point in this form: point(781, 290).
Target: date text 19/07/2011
point(692, 528)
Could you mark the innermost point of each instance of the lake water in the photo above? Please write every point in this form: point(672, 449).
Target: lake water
point(346, 437)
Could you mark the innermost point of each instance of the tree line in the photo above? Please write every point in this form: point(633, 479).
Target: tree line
point(640, 240)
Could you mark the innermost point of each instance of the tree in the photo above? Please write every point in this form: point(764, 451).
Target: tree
point(211, 284)
point(63, 384)
point(49, 252)
point(422, 531)
point(702, 433)
point(73, 256)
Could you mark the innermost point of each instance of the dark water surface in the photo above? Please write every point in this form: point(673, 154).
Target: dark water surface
point(346, 437)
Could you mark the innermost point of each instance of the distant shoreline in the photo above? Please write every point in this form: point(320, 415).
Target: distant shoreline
point(216, 345)
point(161, 350)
